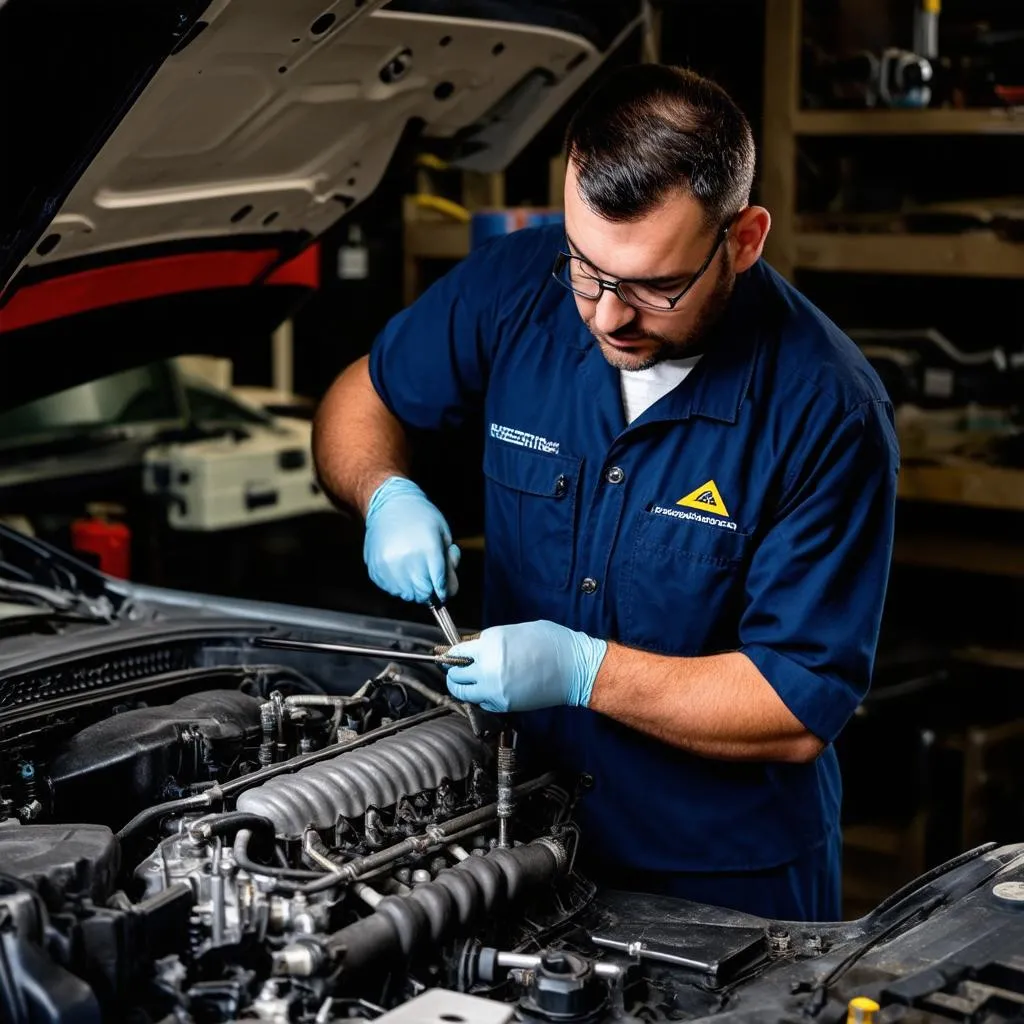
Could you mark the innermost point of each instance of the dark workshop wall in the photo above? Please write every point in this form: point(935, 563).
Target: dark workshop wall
point(724, 40)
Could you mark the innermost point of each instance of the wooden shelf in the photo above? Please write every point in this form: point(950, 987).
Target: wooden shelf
point(1008, 121)
point(439, 240)
point(789, 248)
point(974, 485)
point(1011, 660)
point(428, 238)
point(972, 254)
point(953, 551)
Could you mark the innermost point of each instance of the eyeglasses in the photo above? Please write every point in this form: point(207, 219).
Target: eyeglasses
point(574, 273)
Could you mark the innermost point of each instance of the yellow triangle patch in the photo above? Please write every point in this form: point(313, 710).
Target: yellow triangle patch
point(707, 499)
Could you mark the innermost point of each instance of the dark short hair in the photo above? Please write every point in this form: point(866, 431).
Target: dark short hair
point(650, 129)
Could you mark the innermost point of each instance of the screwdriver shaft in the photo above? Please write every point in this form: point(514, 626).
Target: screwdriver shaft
point(447, 625)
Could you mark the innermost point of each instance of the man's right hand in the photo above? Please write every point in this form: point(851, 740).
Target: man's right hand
point(408, 548)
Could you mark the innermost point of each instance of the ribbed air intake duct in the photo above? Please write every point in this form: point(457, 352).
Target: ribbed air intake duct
point(378, 775)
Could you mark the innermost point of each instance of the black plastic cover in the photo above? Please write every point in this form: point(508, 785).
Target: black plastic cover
point(114, 768)
point(34, 988)
point(664, 930)
point(61, 860)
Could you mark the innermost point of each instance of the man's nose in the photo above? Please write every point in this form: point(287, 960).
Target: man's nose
point(611, 314)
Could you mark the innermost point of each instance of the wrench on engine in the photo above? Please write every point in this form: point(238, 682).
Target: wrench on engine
point(481, 722)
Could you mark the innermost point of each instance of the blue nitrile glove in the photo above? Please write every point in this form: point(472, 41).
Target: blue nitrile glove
point(527, 666)
point(408, 548)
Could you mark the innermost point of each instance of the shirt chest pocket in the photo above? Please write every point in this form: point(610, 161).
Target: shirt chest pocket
point(531, 511)
point(683, 589)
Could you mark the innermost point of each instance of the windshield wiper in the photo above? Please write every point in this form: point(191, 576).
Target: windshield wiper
point(62, 442)
point(96, 609)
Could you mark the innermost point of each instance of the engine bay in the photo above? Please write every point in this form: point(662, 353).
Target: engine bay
point(193, 829)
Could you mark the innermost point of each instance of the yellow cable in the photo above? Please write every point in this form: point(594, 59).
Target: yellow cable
point(442, 205)
point(435, 163)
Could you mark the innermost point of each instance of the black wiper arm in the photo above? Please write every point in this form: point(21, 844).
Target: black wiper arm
point(99, 608)
point(43, 620)
point(58, 576)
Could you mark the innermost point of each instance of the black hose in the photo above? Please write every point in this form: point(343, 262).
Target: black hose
point(457, 898)
point(818, 998)
point(229, 823)
point(240, 851)
point(151, 814)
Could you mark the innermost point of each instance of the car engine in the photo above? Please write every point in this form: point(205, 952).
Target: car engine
point(272, 848)
point(190, 834)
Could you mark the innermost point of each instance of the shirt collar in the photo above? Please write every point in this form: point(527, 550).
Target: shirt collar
point(718, 384)
point(721, 380)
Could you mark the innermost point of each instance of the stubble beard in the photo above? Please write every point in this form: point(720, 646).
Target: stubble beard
point(667, 348)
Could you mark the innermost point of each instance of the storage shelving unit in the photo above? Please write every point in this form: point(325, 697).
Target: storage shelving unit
point(789, 248)
point(796, 243)
point(908, 122)
point(868, 245)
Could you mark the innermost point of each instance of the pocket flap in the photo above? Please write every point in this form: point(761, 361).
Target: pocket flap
point(539, 473)
point(698, 542)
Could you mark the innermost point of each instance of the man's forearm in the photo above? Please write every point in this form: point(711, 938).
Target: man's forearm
point(357, 443)
point(718, 706)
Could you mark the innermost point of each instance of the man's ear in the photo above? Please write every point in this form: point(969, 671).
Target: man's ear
point(747, 236)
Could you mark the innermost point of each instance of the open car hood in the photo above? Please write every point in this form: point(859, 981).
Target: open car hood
point(180, 146)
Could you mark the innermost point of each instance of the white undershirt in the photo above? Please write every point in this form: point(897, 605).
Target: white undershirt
point(642, 388)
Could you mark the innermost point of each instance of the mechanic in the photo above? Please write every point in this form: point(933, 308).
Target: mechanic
point(689, 500)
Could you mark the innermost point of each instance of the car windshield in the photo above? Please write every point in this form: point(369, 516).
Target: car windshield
point(154, 395)
point(145, 394)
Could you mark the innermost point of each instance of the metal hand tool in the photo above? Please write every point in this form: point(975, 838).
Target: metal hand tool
point(444, 620)
point(369, 652)
point(483, 722)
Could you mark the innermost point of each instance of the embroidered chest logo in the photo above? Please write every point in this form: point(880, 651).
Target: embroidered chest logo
point(524, 439)
point(706, 499)
point(706, 505)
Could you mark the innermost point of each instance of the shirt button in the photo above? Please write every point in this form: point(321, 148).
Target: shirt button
point(614, 475)
point(561, 486)
point(589, 585)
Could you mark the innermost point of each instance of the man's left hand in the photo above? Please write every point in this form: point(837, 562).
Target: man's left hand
point(527, 666)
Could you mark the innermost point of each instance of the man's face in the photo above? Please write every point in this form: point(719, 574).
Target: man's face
point(665, 248)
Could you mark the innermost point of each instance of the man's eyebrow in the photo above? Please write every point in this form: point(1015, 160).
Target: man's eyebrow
point(664, 279)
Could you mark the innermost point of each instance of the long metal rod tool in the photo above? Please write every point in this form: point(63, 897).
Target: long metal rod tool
point(368, 652)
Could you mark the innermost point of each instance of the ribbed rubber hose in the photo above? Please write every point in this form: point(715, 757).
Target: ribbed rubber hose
point(449, 905)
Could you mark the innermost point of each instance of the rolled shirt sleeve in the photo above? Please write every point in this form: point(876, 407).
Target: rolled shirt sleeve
point(817, 581)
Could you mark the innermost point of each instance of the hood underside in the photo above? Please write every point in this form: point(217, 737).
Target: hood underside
point(270, 120)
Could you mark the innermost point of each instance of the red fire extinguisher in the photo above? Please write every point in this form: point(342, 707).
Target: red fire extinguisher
point(108, 540)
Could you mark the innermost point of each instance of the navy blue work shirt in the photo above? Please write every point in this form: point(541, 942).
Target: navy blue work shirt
point(750, 509)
